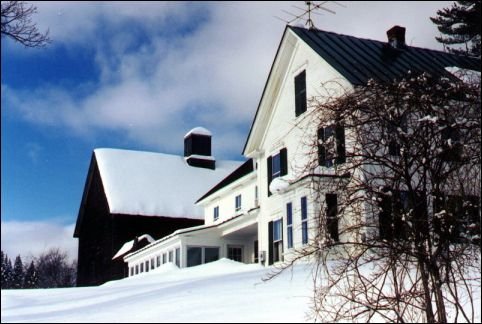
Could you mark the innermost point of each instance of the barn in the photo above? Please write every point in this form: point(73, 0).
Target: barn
point(131, 193)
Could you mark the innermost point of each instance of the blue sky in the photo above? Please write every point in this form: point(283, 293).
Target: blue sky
point(139, 76)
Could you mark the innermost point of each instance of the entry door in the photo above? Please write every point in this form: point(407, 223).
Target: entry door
point(235, 253)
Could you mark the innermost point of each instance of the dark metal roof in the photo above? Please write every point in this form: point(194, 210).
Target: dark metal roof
point(359, 60)
point(245, 169)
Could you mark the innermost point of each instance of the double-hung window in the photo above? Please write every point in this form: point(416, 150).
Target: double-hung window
point(237, 203)
point(394, 128)
point(277, 240)
point(300, 93)
point(304, 221)
point(452, 149)
point(332, 216)
point(331, 145)
point(216, 213)
point(289, 225)
point(277, 166)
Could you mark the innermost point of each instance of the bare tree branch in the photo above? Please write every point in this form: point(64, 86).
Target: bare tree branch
point(17, 24)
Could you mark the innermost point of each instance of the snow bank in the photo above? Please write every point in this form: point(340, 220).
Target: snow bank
point(217, 292)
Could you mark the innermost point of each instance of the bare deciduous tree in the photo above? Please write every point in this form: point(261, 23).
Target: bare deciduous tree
point(398, 230)
point(17, 24)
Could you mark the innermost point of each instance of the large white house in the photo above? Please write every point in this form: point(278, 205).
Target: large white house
point(265, 208)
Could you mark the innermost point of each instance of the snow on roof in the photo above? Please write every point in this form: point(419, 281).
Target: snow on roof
point(129, 245)
point(155, 184)
point(466, 75)
point(199, 131)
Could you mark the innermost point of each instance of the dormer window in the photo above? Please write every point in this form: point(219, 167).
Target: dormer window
point(300, 93)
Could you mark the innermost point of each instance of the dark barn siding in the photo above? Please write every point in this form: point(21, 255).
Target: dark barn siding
point(102, 234)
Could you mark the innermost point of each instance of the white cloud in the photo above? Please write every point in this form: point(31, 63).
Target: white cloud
point(200, 64)
point(32, 238)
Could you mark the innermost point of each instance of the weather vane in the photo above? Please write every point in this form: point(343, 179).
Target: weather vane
point(312, 8)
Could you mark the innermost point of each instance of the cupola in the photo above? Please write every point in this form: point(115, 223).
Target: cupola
point(197, 148)
point(396, 37)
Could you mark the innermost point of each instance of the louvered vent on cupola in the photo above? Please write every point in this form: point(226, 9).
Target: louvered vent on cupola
point(197, 148)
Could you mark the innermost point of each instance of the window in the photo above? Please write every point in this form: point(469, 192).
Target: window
point(152, 263)
point(164, 258)
point(237, 202)
point(460, 218)
point(178, 257)
point(300, 93)
point(396, 208)
point(170, 256)
point(142, 267)
point(158, 261)
point(393, 128)
point(452, 149)
point(216, 213)
point(304, 221)
point(289, 225)
point(194, 256)
point(197, 255)
point(331, 145)
point(131, 271)
point(211, 254)
point(277, 166)
point(256, 197)
point(137, 269)
point(276, 163)
point(278, 240)
point(235, 253)
point(332, 216)
point(147, 266)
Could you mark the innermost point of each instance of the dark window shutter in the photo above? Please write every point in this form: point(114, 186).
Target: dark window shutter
point(300, 93)
point(321, 147)
point(340, 144)
point(385, 218)
point(284, 161)
point(332, 219)
point(270, 172)
point(270, 243)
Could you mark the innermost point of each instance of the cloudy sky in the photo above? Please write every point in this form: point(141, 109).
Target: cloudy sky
point(139, 76)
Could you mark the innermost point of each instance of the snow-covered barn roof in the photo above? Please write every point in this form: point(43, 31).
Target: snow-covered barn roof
point(155, 184)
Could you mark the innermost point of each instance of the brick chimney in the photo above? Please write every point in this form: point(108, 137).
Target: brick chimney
point(396, 36)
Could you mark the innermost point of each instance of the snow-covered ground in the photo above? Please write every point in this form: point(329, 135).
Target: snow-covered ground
point(221, 291)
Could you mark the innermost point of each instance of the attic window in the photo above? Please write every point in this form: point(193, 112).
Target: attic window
point(300, 93)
